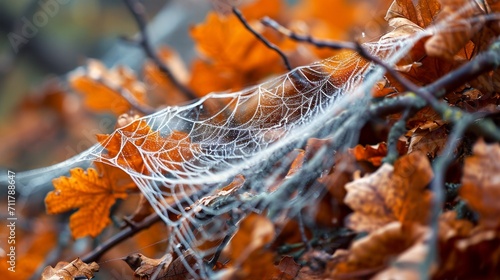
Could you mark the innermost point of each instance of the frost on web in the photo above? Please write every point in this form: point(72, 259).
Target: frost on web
point(242, 139)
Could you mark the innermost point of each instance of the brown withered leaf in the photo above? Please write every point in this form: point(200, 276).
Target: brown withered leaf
point(476, 256)
point(429, 138)
point(481, 183)
point(406, 264)
point(458, 32)
point(70, 271)
point(248, 257)
point(374, 252)
point(371, 153)
point(288, 269)
point(408, 17)
point(391, 194)
point(148, 268)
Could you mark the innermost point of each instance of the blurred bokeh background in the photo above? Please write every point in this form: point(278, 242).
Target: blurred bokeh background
point(63, 35)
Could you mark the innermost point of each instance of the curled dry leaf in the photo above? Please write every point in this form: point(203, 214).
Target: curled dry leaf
point(481, 183)
point(93, 192)
point(70, 271)
point(148, 268)
point(428, 138)
point(391, 194)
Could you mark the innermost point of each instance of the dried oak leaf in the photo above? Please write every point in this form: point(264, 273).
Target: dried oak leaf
point(481, 183)
point(391, 194)
point(409, 17)
point(148, 268)
point(70, 271)
point(93, 192)
point(374, 252)
point(248, 257)
point(459, 30)
point(137, 147)
point(101, 88)
point(371, 153)
point(288, 269)
point(429, 138)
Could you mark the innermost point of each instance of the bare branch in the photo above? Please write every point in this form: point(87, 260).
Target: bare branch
point(266, 42)
point(137, 10)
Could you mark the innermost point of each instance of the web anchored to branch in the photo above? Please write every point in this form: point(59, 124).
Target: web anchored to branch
point(223, 137)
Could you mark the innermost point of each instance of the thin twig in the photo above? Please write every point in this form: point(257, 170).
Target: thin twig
point(437, 186)
point(338, 45)
point(398, 129)
point(137, 10)
point(266, 42)
point(121, 236)
point(127, 95)
point(307, 38)
point(219, 250)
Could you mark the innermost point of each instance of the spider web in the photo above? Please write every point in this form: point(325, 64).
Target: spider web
point(251, 133)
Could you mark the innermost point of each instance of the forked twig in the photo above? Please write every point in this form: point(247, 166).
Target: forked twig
point(266, 42)
point(137, 10)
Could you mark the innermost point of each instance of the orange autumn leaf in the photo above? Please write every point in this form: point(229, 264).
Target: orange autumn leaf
point(93, 192)
point(101, 88)
point(481, 183)
point(69, 271)
point(135, 146)
point(392, 193)
point(371, 153)
point(232, 57)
